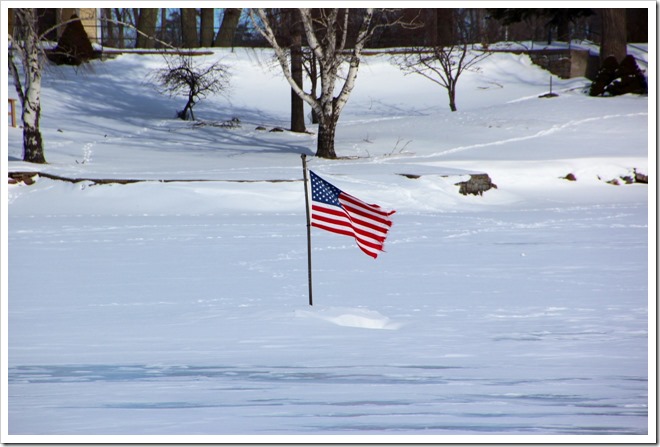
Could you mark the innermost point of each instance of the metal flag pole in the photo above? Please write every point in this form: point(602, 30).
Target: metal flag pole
point(309, 228)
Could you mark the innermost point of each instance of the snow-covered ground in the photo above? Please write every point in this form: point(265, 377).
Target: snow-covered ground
point(180, 308)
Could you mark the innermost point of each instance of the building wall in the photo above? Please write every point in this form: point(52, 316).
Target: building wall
point(566, 63)
point(50, 17)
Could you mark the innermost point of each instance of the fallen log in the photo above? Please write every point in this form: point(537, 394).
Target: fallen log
point(28, 178)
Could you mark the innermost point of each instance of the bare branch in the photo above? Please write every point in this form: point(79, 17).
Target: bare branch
point(183, 77)
point(262, 25)
point(442, 65)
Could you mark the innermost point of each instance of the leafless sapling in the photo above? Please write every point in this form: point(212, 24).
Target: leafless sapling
point(444, 62)
point(182, 76)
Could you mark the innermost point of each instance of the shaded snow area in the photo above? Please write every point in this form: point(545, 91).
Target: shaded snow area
point(169, 308)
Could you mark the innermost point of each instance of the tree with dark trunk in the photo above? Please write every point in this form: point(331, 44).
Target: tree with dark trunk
point(637, 27)
point(206, 27)
point(297, 103)
point(189, 28)
point(614, 40)
point(146, 25)
point(225, 36)
point(442, 22)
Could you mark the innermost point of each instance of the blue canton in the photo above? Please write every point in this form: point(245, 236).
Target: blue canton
point(323, 191)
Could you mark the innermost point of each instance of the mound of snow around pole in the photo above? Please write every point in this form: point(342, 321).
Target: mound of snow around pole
point(351, 317)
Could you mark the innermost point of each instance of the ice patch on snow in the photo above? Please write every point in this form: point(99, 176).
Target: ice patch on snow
point(351, 317)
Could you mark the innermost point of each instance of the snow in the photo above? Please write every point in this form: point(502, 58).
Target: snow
point(179, 310)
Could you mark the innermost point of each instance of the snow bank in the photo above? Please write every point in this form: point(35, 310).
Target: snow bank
point(351, 317)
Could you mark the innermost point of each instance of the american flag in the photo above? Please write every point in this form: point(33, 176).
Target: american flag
point(335, 211)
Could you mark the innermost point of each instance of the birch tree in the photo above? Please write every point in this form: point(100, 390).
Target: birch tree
point(27, 50)
point(326, 31)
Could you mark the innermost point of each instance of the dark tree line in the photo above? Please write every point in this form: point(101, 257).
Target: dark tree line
point(229, 27)
point(215, 27)
point(180, 27)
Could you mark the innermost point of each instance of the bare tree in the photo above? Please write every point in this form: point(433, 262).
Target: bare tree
point(326, 31)
point(27, 49)
point(182, 76)
point(443, 64)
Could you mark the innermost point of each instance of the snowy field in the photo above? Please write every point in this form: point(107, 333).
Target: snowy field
point(180, 308)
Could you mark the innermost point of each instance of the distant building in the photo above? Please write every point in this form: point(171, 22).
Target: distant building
point(51, 17)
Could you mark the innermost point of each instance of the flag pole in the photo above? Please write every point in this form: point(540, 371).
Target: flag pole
point(309, 228)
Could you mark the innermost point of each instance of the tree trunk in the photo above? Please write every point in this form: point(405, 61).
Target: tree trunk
point(330, 53)
point(225, 37)
point(33, 147)
point(313, 75)
point(29, 91)
point(163, 24)
point(614, 41)
point(637, 20)
point(189, 28)
point(109, 28)
point(206, 27)
point(188, 109)
point(119, 15)
point(444, 22)
point(564, 30)
point(33, 151)
point(325, 145)
point(146, 25)
point(297, 103)
point(452, 99)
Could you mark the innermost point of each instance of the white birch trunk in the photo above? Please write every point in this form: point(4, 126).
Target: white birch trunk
point(330, 55)
point(28, 87)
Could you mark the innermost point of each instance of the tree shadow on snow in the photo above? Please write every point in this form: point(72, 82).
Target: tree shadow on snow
point(93, 93)
point(233, 141)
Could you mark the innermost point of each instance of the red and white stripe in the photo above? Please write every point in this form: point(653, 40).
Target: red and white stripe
point(368, 224)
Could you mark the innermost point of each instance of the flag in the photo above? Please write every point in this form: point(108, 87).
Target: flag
point(335, 211)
